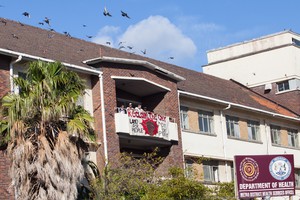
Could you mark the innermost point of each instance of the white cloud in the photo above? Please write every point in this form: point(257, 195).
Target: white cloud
point(156, 34)
point(106, 34)
point(160, 38)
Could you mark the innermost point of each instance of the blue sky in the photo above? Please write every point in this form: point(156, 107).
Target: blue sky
point(174, 31)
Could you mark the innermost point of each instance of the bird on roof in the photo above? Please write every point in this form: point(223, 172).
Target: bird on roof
point(41, 23)
point(144, 52)
point(26, 14)
point(67, 34)
point(21, 24)
point(3, 22)
point(47, 20)
point(124, 14)
point(50, 35)
point(108, 43)
point(15, 36)
point(121, 47)
point(106, 13)
point(130, 47)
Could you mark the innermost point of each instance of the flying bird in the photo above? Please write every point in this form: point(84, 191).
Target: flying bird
point(26, 14)
point(84, 25)
point(171, 57)
point(124, 14)
point(144, 52)
point(41, 23)
point(47, 20)
point(130, 47)
point(106, 13)
point(89, 36)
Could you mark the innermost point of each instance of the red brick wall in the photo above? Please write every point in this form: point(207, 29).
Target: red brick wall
point(168, 105)
point(4, 75)
point(5, 181)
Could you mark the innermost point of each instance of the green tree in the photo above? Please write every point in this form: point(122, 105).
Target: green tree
point(44, 129)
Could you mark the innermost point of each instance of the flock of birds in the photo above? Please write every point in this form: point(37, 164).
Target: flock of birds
point(106, 13)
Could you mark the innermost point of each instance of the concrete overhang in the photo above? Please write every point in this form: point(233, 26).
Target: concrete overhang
point(146, 64)
point(138, 86)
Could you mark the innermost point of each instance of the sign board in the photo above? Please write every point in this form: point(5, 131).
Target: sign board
point(265, 175)
point(148, 124)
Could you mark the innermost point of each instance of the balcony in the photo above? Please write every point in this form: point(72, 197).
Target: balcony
point(146, 125)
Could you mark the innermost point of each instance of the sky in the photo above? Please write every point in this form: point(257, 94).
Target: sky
point(179, 32)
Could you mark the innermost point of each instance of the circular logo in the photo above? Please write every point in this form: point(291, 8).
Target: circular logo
point(249, 169)
point(280, 168)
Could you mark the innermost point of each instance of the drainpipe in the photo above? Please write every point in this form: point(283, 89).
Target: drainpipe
point(11, 72)
point(267, 136)
point(103, 118)
point(224, 135)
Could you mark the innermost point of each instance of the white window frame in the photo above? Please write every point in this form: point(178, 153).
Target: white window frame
point(211, 172)
point(189, 170)
point(283, 86)
point(275, 134)
point(184, 117)
point(205, 119)
point(297, 178)
point(253, 130)
point(293, 140)
point(232, 126)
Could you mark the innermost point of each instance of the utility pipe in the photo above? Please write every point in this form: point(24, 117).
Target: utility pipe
point(11, 72)
point(103, 118)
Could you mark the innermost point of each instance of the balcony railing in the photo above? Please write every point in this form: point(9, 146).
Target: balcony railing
point(146, 124)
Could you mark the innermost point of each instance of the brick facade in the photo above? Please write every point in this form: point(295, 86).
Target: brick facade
point(167, 105)
point(5, 181)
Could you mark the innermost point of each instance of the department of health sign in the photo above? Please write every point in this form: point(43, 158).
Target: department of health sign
point(265, 175)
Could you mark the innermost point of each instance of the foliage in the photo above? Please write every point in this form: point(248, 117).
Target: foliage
point(135, 179)
point(44, 129)
point(223, 191)
point(129, 179)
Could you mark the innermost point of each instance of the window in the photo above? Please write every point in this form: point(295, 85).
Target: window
point(189, 170)
point(293, 138)
point(205, 122)
point(296, 42)
point(297, 178)
point(282, 86)
point(232, 125)
point(210, 171)
point(253, 130)
point(184, 118)
point(275, 135)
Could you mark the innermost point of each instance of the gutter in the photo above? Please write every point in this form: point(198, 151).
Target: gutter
point(31, 57)
point(238, 105)
point(11, 72)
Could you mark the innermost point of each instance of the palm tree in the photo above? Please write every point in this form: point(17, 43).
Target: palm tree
point(45, 128)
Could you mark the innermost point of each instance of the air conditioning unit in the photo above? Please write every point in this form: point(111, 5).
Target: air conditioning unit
point(268, 87)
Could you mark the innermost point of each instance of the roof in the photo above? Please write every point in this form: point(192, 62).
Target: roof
point(55, 46)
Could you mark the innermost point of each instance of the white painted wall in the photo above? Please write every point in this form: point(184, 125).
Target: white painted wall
point(252, 69)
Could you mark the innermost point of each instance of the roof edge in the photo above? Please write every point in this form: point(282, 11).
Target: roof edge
point(146, 64)
point(32, 57)
point(238, 105)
